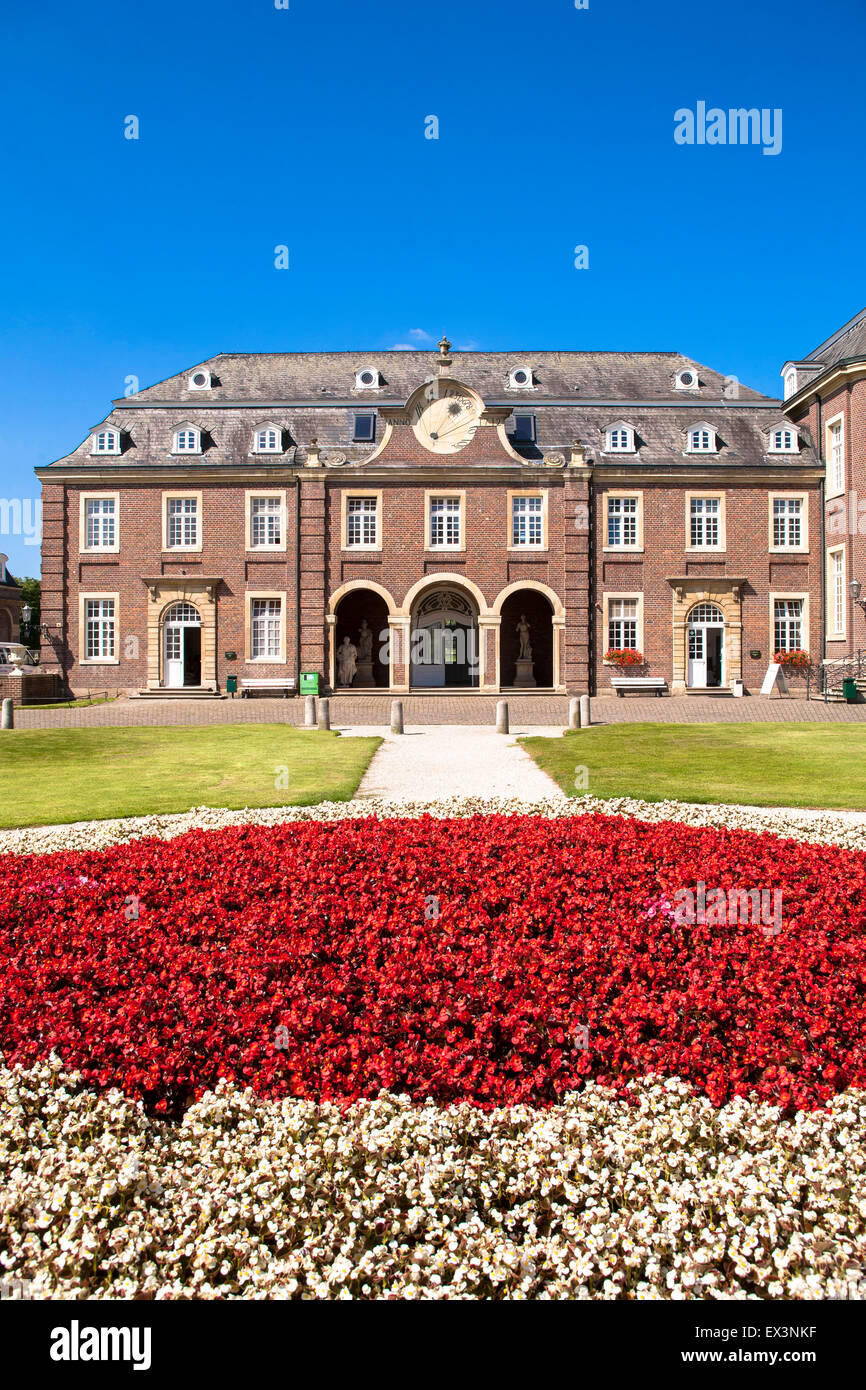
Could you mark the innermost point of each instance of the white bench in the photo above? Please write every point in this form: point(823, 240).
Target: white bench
point(642, 684)
point(268, 683)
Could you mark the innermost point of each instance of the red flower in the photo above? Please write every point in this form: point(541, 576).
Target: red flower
point(304, 960)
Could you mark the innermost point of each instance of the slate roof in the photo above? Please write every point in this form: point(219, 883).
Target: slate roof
point(307, 376)
point(848, 341)
point(576, 397)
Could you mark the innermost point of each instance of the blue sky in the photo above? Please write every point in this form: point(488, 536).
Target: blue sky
point(305, 127)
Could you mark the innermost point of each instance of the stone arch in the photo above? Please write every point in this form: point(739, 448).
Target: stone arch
point(550, 594)
point(361, 608)
point(447, 581)
point(353, 584)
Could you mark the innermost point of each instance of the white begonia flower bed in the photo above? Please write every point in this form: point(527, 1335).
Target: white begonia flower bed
point(843, 828)
point(668, 1198)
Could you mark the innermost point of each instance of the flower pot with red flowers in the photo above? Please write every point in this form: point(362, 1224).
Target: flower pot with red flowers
point(794, 658)
point(624, 657)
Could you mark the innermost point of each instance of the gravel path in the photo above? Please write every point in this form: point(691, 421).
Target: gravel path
point(432, 761)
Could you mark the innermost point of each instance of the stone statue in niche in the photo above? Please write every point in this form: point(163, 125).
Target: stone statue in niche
point(524, 674)
point(364, 673)
point(525, 652)
point(347, 654)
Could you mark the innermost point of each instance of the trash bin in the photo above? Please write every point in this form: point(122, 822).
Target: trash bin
point(849, 689)
point(309, 682)
point(738, 688)
point(231, 685)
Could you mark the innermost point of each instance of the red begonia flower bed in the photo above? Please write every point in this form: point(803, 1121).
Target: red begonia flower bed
point(495, 959)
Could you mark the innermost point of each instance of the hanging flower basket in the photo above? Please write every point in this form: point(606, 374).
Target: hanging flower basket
point(794, 658)
point(624, 656)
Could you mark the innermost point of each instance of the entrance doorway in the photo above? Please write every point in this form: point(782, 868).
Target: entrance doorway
point(706, 647)
point(181, 646)
point(444, 642)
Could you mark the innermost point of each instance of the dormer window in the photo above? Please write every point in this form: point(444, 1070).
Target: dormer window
point(267, 440)
point(200, 380)
point(784, 440)
point(365, 429)
point(106, 442)
point(790, 383)
point(701, 440)
point(368, 379)
point(686, 379)
point(524, 429)
point(619, 439)
point(520, 379)
point(187, 440)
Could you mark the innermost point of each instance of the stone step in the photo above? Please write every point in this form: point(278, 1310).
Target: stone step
point(187, 692)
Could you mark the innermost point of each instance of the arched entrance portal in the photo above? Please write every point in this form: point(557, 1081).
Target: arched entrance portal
point(362, 617)
point(444, 641)
point(536, 611)
point(705, 638)
point(181, 646)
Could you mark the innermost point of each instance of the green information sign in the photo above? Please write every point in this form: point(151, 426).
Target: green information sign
point(309, 682)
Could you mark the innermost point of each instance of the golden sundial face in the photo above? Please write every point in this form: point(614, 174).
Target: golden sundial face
point(447, 422)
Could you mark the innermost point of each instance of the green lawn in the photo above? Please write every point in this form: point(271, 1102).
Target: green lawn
point(57, 775)
point(820, 765)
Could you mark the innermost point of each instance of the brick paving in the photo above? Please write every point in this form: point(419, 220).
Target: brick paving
point(525, 710)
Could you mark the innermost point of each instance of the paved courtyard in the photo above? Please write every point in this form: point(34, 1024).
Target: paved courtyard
point(439, 760)
point(349, 711)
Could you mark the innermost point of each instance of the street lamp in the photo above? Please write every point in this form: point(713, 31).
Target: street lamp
point(26, 614)
point(854, 589)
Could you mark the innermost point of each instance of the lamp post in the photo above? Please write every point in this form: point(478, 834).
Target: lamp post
point(854, 589)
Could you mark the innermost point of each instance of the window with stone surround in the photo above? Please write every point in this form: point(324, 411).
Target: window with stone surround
point(445, 521)
point(527, 520)
point(787, 624)
point(266, 618)
point(835, 450)
point(623, 521)
point(99, 622)
point(788, 523)
point(622, 624)
point(99, 522)
point(266, 521)
point(705, 522)
point(836, 593)
point(362, 522)
point(182, 529)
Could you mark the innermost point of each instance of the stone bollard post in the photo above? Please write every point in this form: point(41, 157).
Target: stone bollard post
point(7, 719)
point(502, 716)
point(574, 713)
point(585, 719)
point(396, 716)
point(310, 711)
point(324, 714)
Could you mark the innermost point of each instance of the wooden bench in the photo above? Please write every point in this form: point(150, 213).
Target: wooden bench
point(642, 684)
point(267, 683)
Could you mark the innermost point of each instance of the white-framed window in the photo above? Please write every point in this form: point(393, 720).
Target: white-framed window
point(527, 520)
point(706, 523)
point(267, 440)
point(787, 624)
point(619, 439)
point(623, 521)
point(199, 380)
point(187, 440)
point(701, 439)
point(835, 447)
point(837, 598)
point(266, 522)
point(266, 629)
point(367, 379)
point(790, 383)
point(622, 624)
point(784, 440)
point(445, 521)
point(106, 442)
point(181, 523)
point(99, 615)
point(787, 523)
point(100, 523)
point(686, 379)
point(362, 522)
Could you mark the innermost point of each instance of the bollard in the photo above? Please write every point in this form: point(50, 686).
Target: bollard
point(574, 713)
point(585, 719)
point(324, 714)
point(310, 711)
point(7, 719)
point(502, 716)
point(396, 716)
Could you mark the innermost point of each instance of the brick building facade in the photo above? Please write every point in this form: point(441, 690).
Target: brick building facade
point(491, 519)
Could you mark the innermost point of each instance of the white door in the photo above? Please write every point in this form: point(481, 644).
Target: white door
point(173, 664)
point(698, 656)
point(428, 653)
